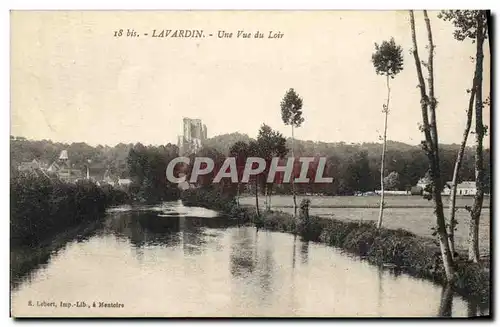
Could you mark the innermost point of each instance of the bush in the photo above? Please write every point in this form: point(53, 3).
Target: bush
point(279, 221)
point(210, 198)
point(41, 207)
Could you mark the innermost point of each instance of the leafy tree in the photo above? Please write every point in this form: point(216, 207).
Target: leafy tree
point(291, 114)
point(388, 61)
point(271, 144)
point(392, 181)
point(470, 24)
point(147, 166)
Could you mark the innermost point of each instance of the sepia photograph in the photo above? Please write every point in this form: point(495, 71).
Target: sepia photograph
point(250, 163)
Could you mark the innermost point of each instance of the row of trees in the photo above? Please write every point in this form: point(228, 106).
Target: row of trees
point(409, 162)
point(388, 61)
point(469, 25)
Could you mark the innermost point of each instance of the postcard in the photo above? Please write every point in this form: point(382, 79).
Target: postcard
point(250, 164)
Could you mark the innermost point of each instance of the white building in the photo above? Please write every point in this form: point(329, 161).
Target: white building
point(423, 182)
point(124, 182)
point(466, 188)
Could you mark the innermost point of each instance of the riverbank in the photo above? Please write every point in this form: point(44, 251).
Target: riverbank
point(23, 259)
point(45, 213)
point(348, 201)
point(396, 249)
point(412, 213)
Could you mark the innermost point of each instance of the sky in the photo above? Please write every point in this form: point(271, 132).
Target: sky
point(73, 81)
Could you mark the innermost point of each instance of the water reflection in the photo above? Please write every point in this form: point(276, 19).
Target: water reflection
point(164, 262)
point(144, 229)
point(380, 289)
point(446, 305)
point(242, 253)
point(304, 252)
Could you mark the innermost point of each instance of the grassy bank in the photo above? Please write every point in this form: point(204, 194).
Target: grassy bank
point(400, 212)
point(399, 249)
point(45, 214)
point(23, 259)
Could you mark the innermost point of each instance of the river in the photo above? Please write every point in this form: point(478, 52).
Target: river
point(172, 260)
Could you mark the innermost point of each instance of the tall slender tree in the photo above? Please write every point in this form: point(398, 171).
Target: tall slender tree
point(469, 24)
point(480, 131)
point(239, 151)
point(254, 151)
point(291, 114)
point(428, 104)
point(388, 61)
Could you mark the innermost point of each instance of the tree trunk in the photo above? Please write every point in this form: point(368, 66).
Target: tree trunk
point(431, 144)
point(293, 177)
point(238, 194)
point(382, 164)
point(257, 196)
point(475, 213)
point(436, 170)
point(270, 194)
point(266, 197)
point(453, 191)
point(446, 303)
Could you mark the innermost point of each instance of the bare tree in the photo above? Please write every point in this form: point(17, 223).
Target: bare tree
point(428, 105)
point(452, 222)
point(470, 24)
point(388, 61)
point(475, 212)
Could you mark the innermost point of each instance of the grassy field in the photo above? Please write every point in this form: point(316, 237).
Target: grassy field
point(399, 201)
point(412, 213)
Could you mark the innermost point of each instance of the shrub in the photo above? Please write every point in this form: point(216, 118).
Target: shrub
point(41, 207)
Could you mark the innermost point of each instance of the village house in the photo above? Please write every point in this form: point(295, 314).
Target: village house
point(464, 188)
point(109, 179)
point(96, 173)
point(63, 170)
point(423, 182)
point(54, 168)
point(124, 182)
point(29, 166)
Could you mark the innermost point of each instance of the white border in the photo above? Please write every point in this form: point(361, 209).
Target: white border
point(180, 5)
